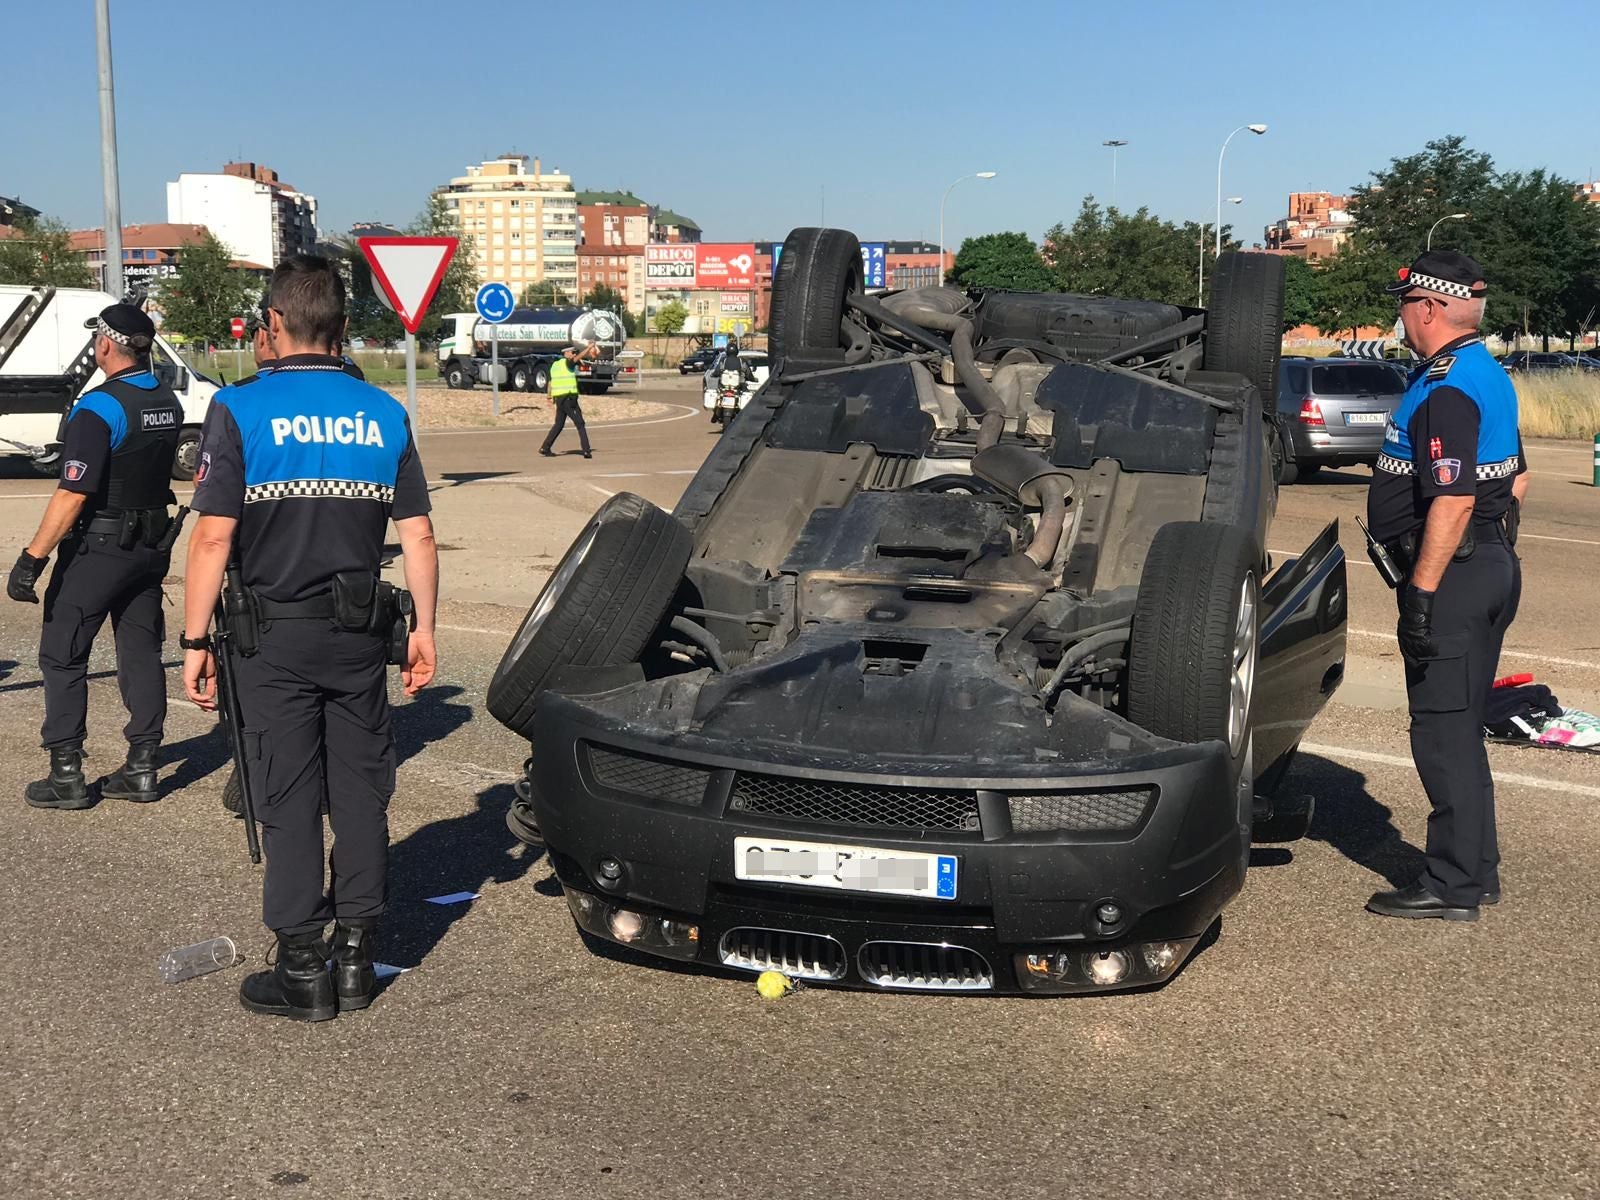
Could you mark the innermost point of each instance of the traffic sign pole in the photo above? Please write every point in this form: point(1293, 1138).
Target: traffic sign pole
point(411, 380)
point(238, 359)
point(409, 270)
point(494, 365)
point(495, 304)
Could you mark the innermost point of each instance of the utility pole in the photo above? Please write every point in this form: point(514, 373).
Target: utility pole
point(108, 153)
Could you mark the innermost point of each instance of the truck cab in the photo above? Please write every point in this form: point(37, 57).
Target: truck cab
point(47, 362)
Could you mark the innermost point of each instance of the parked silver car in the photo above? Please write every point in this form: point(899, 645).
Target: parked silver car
point(1332, 413)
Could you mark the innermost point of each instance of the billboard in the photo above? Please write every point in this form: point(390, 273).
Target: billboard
point(687, 266)
point(736, 303)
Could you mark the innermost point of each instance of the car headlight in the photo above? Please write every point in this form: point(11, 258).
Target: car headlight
point(673, 937)
point(1102, 968)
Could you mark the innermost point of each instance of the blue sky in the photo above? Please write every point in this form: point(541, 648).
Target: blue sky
point(755, 118)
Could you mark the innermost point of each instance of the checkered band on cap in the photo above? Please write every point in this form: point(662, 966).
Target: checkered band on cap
point(1444, 286)
point(121, 339)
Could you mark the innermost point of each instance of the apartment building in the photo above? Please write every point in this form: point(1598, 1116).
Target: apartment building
point(1316, 227)
point(523, 222)
point(256, 215)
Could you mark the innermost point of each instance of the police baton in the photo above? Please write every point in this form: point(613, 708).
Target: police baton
point(236, 634)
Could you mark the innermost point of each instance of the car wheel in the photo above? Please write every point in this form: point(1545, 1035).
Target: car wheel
point(1284, 469)
point(187, 456)
point(541, 379)
point(1195, 640)
point(457, 377)
point(818, 269)
point(599, 607)
point(1307, 471)
point(521, 378)
point(1244, 325)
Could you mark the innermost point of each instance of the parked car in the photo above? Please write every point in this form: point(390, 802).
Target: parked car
point(699, 360)
point(1331, 412)
point(1533, 360)
point(969, 687)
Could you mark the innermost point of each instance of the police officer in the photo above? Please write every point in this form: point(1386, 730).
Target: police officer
point(1442, 504)
point(564, 391)
point(109, 516)
point(301, 470)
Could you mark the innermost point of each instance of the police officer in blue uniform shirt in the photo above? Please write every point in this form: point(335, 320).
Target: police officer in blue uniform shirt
point(1444, 502)
point(109, 517)
point(302, 468)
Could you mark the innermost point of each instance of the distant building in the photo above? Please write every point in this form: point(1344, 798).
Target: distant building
point(613, 229)
point(12, 211)
point(668, 226)
point(523, 222)
point(255, 214)
point(1316, 227)
point(363, 229)
point(150, 253)
point(915, 264)
point(1590, 192)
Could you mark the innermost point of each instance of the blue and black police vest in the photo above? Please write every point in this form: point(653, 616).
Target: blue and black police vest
point(1470, 369)
point(144, 419)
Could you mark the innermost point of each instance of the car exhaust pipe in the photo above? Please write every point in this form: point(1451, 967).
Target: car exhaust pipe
point(927, 308)
point(1037, 483)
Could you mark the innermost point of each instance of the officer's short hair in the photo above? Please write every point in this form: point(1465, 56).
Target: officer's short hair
point(307, 293)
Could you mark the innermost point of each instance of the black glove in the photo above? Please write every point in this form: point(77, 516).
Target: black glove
point(23, 576)
point(1416, 623)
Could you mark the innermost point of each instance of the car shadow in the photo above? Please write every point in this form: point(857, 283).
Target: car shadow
point(1350, 820)
point(456, 854)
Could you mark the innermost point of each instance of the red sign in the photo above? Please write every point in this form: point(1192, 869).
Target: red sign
point(409, 269)
point(237, 325)
point(689, 266)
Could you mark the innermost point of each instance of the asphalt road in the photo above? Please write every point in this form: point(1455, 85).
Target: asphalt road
point(1312, 1050)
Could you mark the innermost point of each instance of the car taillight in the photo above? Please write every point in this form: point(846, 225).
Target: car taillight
point(1311, 412)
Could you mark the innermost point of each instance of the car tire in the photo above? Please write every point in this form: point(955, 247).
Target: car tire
point(541, 379)
point(599, 607)
point(1284, 469)
point(1307, 471)
point(456, 377)
point(1194, 647)
point(1244, 326)
point(817, 270)
point(186, 458)
point(521, 379)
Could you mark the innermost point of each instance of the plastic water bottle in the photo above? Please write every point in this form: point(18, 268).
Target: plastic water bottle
point(199, 959)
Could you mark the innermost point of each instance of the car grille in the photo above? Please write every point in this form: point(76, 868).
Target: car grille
point(914, 966)
point(797, 955)
point(651, 778)
point(829, 803)
point(1080, 812)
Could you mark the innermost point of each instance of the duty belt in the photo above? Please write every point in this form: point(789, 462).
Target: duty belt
point(317, 607)
point(1403, 549)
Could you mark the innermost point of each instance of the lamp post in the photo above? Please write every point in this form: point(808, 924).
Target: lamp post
point(1200, 292)
point(947, 191)
point(1258, 130)
point(1115, 144)
point(1441, 221)
point(112, 279)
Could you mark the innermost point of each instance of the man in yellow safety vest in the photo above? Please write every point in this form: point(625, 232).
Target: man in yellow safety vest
point(564, 391)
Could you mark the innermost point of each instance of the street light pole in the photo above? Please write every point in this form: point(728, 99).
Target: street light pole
point(108, 153)
point(1441, 221)
point(947, 191)
point(1258, 130)
point(1115, 144)
point(1200, 297)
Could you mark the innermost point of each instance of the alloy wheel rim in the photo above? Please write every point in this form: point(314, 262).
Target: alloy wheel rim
point(1242, 676)
point(553, 587)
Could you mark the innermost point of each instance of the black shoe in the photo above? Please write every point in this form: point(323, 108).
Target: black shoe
point(1491, 896)
point(135, 780)
point(298, 987)
point(588, 453)
point(545, 452)
point(1418, 902)
point(66, 787)
point(353, 977)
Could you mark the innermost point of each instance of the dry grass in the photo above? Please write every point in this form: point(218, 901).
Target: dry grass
point(1559, 404)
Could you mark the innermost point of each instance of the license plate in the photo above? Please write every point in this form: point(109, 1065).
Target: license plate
point(1366, 418)
point(845, 868)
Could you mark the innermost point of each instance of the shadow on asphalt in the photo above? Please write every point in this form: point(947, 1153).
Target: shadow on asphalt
point(457, 854)
point(7, 666)
point(430, 717)
point(1353, 823)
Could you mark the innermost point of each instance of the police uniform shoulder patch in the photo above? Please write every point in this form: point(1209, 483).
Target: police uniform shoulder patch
point(1440, 368)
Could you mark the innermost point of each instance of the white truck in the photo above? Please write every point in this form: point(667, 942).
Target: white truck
point(47, 362)
point(530, 340)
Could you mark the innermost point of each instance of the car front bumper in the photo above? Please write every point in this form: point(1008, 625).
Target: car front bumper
point(642, 837)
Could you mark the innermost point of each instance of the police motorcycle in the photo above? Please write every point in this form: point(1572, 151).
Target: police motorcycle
point(727, 391)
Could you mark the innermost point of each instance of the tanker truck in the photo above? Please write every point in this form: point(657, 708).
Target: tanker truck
point(530, 340)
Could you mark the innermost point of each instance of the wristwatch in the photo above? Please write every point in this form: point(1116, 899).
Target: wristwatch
point(203, 642)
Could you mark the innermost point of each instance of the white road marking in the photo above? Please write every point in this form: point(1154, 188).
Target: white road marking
point(1544, 658)
point(1395, 760)
point(476, 629)
point(595, 487)
point(1545, 537)
point(625, 474)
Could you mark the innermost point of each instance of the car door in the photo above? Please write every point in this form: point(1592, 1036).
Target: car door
point(1304, 618)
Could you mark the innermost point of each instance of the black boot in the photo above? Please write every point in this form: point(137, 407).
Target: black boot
point(299, 987)
point(136, 779)
point(353, 977)
point(66, 787)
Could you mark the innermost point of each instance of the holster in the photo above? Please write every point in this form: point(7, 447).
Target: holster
point(363, 603)
point(244, 619)
point(168, 537)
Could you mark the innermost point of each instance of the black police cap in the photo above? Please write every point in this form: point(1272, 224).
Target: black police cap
point(125, 325)
point(1448, 272)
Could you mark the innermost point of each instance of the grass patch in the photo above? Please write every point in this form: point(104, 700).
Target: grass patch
point(1559, 404)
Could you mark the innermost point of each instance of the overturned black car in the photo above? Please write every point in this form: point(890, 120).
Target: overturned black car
point(959, 665)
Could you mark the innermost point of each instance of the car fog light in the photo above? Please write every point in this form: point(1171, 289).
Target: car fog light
point(1161, 957)
point(625, 924)
point(1107, 968)
point(1053, 967)
point(679, 933)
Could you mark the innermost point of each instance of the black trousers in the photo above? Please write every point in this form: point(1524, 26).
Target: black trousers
point(1474, 605)
point(94, 579)
point(316, 727)
point(567, 406)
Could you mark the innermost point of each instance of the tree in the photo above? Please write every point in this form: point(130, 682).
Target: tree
point(1396, 210)
point(608, 298)
point(1002, 260)
point(1350, 288)
point(459, 287)
point(1137, 255)
point(39, 253)
point(544, 292)
point(199, 301)
point(1301, 288)
point(670, 317)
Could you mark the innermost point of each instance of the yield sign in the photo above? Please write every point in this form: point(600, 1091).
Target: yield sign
point(409, 269)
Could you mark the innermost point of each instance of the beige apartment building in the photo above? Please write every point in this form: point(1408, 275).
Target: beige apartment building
point(523, 222)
